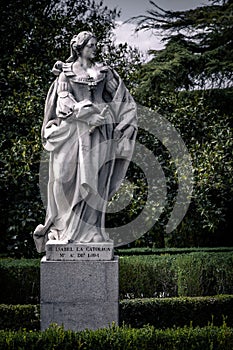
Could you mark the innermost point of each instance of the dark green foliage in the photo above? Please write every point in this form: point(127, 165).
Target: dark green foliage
point(170, 251)
point(148, 276)
point(198, 51)
point(19, 316)
point(117, 338)
point(194, 274)
point(20, 281)
point(169, 312)
point(215, 99)
point(198, 55)
point(126, 60)
point(205, 274)
point(207, 134)
point(157, 312)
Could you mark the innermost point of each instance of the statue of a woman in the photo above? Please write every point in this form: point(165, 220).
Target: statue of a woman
point(89, 129)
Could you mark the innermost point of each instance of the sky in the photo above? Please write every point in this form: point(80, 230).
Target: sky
point(144, 40)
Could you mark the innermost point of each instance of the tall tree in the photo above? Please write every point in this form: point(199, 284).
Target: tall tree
point(198, 50)
point(198, 55)
point(35, 33)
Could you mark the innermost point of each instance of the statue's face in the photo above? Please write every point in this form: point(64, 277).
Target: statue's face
point(89, 50)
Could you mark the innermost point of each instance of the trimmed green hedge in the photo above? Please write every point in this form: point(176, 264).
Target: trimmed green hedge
point(171, 251)
point(19, 316)
point(20, 281)
point(194, 274)
point(160, 313)
point(117, 338)
point(179, 312)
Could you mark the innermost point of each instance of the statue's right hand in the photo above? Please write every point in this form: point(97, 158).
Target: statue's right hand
point(96, 120)
point(87, 106)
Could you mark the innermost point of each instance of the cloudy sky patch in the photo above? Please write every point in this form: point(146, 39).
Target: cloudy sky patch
point(125, 32)
point(144, 40)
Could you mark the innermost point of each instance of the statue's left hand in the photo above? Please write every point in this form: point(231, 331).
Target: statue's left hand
point(128, 132)
point(117, 134)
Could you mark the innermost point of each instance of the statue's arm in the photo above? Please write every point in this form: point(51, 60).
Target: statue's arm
point(65, 100)
point(67, 106)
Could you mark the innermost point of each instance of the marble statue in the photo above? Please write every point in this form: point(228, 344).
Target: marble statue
point(89, 130)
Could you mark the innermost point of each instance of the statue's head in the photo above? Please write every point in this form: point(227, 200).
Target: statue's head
point(83, 45)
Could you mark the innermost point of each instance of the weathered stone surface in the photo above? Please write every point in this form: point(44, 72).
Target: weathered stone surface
point(58, 250)
point(80, 316)
point(79, 294)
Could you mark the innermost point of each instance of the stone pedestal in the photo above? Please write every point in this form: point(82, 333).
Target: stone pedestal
point(79, 294)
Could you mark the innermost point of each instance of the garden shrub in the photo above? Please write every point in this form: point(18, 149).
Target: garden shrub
point(148, 276)
point(19, 316)
point(205, 274)
point(194, 274)
point(20, 281)
point(117, 338)
point(161, 251)
point(160, 313)
point(169, 312)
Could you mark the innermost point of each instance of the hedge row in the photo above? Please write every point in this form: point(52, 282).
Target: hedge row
point(19, 316)
point(179, 312)
point(20, 281)
point(117, 338)
point(161, 251)
point(160, 313)
point(194, 274)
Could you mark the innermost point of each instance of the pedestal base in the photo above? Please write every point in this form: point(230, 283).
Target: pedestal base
point(79, 294)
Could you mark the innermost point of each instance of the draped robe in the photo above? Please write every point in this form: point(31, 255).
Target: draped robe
point(87, 164)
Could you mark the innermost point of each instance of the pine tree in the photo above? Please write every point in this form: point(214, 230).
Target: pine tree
point(198, 50)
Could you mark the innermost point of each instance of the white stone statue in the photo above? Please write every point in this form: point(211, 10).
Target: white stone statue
point(89, 130)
